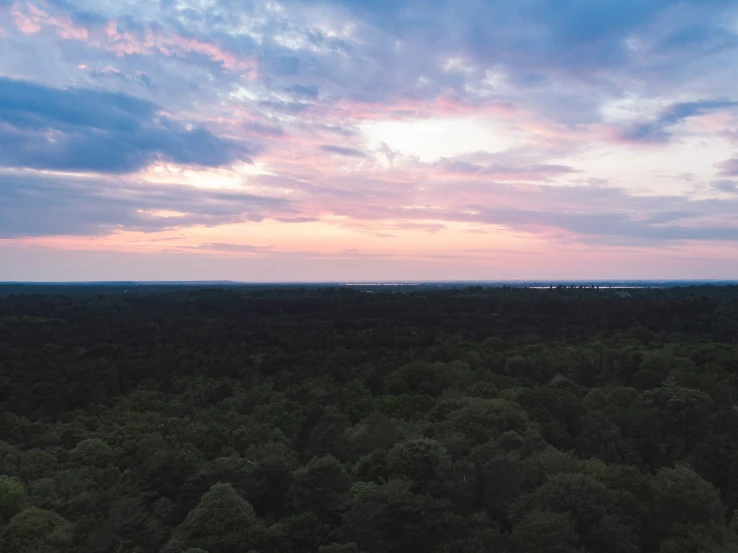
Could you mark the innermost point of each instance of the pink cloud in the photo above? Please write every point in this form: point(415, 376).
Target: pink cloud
point(30, 19)
point(173, 44)
point(25, 22)
point(711, 122)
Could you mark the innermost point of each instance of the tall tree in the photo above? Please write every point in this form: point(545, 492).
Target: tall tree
point(223, 522)
point(37, 531)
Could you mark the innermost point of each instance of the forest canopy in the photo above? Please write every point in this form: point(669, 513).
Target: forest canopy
point(333, 420)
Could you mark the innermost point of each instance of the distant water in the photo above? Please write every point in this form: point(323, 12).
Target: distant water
point(600, 287)
point(544, 285)
point(386, 284)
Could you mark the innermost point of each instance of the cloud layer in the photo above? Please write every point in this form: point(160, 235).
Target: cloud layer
point(397, 130)
point(33, 205)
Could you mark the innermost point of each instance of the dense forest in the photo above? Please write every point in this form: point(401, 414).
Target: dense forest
point(336, 420)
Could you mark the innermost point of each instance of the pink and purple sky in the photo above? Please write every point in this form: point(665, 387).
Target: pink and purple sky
point(368, 140)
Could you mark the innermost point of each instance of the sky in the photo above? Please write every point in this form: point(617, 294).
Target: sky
point(359, 140)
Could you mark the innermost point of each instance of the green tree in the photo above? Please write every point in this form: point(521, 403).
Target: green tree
point(357, 401)
point(271, 483)
point(700, 538)
point(423, 461)
point(37, 463)
point(502, 479)
point(684, 416)
point(167, 470)
point(302, 533)
point(232, 470)
point(328, 437)
point(44, 493)
point(479, 534)
point(37, 531)
point(600, 519)
point(392, 519)
point(377, 431)
point(480, 419)
point(681, 496)
point(339, 548)
point(322, 486)
point(545, 532)
point(547, 462)
point(92, 452)
point(223, 522)
point(372, 467)
point(731, 493)
point(12, 497)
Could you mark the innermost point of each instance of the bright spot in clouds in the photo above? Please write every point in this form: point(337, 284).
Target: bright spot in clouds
point(432, 139)
point(161, 213)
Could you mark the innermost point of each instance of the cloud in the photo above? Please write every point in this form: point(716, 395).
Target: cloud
point(342, 131)
point(110, 72)
point(559, 58)
point(125, 36)
point(185, 90)
point(90, 130)
point(309, 91)
point(700, 36)
point(562, 58)
point(341, 151)
point(728, 186)
point(657, 131)
point(297, 220)
point(596, 215)
point(607, 227)
point(263, 130)
point(42, 205)
point(234, 248)
point(506, 172)
point(614, 216)
point(729, 167)
point(292, 108)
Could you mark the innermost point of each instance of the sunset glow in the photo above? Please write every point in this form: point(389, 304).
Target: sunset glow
point(421, 140)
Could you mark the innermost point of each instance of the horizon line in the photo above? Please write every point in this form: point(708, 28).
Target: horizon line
point(362, 282)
